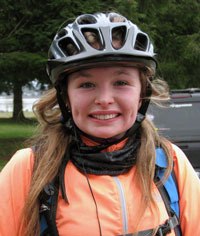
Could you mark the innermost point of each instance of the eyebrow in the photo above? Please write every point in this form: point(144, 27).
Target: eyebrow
point(122, 71)
point(82, 73)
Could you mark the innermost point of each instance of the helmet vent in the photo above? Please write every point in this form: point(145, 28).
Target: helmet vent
point(118, 36)
point(62, 33)
point(117, 18)
point(141, 42)
point(68, 46)
point(86, 19)
point(93, 38)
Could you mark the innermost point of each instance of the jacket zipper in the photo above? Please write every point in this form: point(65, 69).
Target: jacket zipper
point(123, 205)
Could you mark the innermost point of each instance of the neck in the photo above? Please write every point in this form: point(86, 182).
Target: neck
point(102, 141)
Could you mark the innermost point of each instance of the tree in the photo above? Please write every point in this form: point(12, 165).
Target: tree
point(14, 66)
point(175, 28)
point(22, 58)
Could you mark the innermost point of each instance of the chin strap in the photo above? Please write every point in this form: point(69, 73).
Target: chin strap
point(146, 101)
point(66, 115)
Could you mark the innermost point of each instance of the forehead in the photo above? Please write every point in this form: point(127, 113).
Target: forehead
point(98, 71)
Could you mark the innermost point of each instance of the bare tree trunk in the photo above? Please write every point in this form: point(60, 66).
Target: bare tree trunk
point(17, 102)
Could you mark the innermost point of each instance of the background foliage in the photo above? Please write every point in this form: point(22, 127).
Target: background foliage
point(27, 28)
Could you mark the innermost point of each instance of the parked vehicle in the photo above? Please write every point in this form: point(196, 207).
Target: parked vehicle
point(179, 121)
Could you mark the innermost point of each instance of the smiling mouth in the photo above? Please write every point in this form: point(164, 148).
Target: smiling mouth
point(105, 117)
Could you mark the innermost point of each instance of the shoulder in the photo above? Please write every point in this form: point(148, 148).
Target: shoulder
point(15, 179)
point(20, 163)
point(180, 159)
point(185, 173)
point(16, 176)
point(22, 157)
point(189, 192)
point(178, 152)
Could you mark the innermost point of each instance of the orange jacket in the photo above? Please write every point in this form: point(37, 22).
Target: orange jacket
point(117, 198)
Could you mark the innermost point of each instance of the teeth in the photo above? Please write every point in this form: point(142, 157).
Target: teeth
point(105, 117)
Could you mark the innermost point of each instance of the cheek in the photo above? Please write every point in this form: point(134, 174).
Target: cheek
point(72, 102)
point(75, 107)
point(133, 103)
point(78, 106)
point(132, 109)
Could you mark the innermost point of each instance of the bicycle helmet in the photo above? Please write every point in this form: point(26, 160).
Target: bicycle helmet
point(71, 49)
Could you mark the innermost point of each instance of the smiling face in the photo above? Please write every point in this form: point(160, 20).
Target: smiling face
point(104, 101)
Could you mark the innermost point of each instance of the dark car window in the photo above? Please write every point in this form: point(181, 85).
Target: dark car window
point(179, 120)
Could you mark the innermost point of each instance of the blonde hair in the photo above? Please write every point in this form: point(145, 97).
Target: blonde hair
point(53, 140)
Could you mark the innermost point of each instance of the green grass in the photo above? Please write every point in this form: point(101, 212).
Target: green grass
point(12, 137)
point(10, 129)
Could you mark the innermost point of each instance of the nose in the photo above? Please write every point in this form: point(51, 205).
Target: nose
point(104, 97)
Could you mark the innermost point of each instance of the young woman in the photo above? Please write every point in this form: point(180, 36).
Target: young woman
point(92, 168)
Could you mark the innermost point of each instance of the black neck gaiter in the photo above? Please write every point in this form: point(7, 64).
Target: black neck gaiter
point(92, 160)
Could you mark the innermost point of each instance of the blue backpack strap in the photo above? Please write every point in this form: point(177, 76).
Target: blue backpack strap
point(170, 184)
point(168, 188)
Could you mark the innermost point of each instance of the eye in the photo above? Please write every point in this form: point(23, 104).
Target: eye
point(87, 85)
point(121, 83)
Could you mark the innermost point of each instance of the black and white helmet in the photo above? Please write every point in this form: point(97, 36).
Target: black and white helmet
point(71, 50)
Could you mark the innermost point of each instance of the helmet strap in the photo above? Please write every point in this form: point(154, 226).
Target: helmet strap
point(66, 114)
point(146, 101)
